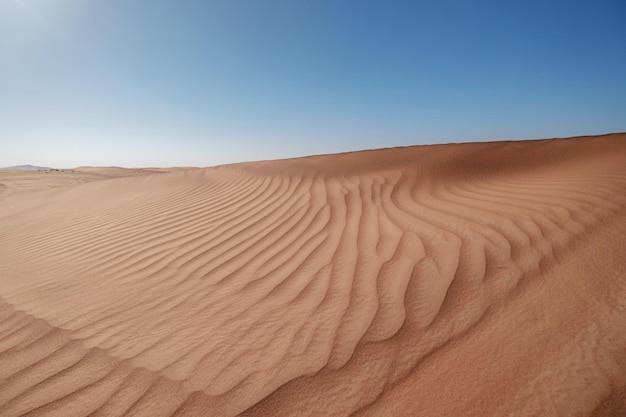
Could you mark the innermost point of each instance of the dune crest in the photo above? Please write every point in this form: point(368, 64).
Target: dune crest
point(329, 285)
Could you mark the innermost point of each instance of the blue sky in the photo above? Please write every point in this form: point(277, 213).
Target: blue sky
point(165, 83)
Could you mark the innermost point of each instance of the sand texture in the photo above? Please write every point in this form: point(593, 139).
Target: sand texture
point(17, 182)
point(484, 279)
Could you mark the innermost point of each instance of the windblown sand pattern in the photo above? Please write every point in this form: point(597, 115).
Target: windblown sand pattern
point(14, 183)
point(473, 279)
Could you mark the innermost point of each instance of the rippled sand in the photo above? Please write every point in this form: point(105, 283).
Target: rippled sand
point(484, 279)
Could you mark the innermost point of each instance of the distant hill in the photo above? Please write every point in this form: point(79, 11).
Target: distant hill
point(26, 168)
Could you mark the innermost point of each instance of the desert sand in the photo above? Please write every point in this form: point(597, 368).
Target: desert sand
point(478, 279)
point(16, 182)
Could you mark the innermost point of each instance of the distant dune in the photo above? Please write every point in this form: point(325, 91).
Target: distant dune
point(25, 168)
point(480, 279)
point(19, 182)
point(125, 172)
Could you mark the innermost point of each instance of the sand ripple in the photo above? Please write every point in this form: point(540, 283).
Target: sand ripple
point(302, 287)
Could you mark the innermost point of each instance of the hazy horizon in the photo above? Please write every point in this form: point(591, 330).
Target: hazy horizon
point(44, 166)
point(157, 84)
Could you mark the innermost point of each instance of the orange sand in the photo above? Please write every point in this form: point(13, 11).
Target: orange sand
point(483, 279)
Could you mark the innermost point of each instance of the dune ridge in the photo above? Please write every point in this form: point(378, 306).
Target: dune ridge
point(326, 285)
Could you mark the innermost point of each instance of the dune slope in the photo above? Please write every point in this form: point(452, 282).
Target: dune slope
point(471, 279)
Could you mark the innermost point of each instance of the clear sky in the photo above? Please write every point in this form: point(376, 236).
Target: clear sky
point(172, 83)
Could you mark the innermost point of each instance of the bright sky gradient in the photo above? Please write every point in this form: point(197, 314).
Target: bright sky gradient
point(181, 83)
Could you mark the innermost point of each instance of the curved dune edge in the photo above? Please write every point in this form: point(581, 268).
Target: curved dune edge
point(472, 279)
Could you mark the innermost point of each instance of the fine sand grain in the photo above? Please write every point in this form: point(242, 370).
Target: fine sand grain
point(481, 279)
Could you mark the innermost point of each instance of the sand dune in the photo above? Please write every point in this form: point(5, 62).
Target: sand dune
point(18, 182)
point(484, 279)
